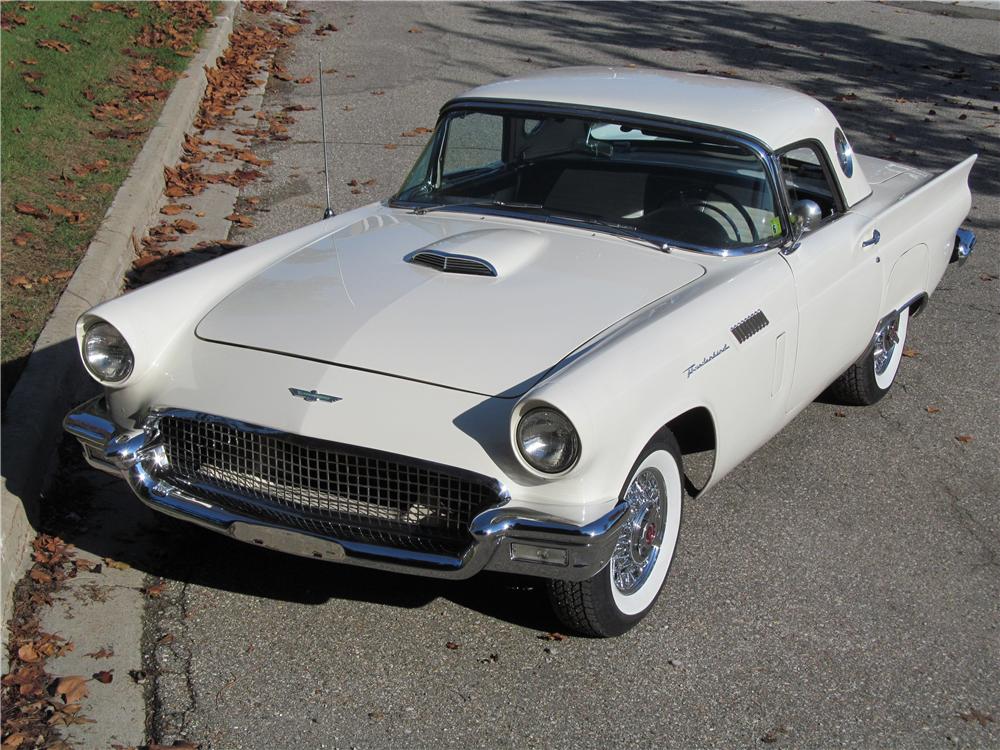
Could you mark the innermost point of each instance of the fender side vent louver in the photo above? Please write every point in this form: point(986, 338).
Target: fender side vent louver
point(451, 263)
point(750, 325)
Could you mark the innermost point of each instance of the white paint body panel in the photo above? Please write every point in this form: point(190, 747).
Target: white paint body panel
point(349, 299)
point(620, 337)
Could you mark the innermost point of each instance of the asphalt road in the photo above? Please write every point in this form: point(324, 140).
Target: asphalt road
point(840, 588)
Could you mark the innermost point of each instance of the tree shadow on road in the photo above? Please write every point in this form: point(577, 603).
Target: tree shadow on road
point(881, 84)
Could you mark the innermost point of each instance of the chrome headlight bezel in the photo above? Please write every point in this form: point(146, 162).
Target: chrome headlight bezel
point(531, 424)
point(103, 340)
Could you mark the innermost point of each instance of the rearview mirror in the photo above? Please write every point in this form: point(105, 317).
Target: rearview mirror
point(806, 214)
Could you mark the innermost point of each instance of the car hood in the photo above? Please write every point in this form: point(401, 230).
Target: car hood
point(353, 300)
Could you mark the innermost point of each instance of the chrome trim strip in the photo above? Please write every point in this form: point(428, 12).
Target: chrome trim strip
point(138, 457)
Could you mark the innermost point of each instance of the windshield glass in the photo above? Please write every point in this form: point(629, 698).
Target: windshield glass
point(672, 185)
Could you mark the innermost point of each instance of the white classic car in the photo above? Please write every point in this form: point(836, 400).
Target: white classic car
point(588, 275)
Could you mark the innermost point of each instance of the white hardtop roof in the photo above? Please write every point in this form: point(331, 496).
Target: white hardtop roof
point(774, 116)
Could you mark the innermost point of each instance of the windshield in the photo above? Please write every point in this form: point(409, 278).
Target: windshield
point(671, 185)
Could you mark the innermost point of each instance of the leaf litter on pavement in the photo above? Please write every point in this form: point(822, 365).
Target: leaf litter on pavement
point(250, 52)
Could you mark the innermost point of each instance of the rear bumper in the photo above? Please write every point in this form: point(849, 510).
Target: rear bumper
point(965, 241)
point(514, 540)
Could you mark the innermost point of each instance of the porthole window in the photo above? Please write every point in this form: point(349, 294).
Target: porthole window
point(845, 154)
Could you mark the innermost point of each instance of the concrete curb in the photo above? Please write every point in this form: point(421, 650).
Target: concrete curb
point(53, 378)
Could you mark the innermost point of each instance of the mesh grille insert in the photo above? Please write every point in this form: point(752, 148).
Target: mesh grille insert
point(325, 488)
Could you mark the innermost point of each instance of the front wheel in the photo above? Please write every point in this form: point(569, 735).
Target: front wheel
point(869, 379)
point(615, 599)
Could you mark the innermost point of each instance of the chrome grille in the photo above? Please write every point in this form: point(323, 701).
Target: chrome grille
point(325, 488)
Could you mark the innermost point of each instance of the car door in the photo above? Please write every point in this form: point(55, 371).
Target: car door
point(838, 277)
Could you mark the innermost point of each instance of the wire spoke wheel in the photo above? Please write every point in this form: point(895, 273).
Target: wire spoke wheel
point(639, 544)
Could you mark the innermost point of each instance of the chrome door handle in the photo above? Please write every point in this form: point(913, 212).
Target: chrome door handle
point(876, 236)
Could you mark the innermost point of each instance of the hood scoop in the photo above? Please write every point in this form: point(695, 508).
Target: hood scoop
point(451, 262)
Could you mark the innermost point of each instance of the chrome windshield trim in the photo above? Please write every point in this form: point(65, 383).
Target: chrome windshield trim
point(772, 170)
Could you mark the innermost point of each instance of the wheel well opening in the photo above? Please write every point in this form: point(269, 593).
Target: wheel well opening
point(695, 434)
point(917, 305)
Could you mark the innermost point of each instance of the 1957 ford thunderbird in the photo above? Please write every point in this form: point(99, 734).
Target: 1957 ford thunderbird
point(588, 275)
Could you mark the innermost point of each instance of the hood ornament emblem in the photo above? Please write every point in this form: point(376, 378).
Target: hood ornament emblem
point(312, 396)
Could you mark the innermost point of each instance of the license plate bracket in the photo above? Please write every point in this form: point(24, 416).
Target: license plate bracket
point(287, 540)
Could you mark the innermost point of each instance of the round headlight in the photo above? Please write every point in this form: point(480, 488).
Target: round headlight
point(106, 353)
point(548, 440)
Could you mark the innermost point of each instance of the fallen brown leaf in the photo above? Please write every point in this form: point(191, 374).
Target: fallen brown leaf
point(390, 146)
point(73, 689)
point(378, 92)
point(165, 640)
point(28, 210)
point(909, 351)
point(452, 646)
point(172, 209)
point(155, 591)
point(20, 281)
point(53, 44)
point(552, 637)
point(964, 439)
point(21, 238)
point(243, 221)
point(184, 226)
point(932, 410)
point(27, 653)
point(102, 653)
point(116, 564)
point(325, 29)
point(414, 30)
point(104, 677)
point(974, 714)
point(839, 413)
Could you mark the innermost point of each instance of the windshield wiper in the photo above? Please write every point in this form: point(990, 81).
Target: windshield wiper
point(472, 204)
point(621, 230)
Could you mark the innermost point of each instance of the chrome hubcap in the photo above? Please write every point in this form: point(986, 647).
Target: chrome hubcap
point(886, 339)
point(639, 543)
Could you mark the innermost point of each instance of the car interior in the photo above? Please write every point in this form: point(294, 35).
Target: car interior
point(698, 192)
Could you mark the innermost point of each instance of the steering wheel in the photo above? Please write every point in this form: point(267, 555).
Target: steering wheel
point(701, 203)
point(740, 209)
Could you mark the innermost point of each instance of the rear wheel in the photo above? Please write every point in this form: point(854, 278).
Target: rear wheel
point(618, 597)
point(869, 379)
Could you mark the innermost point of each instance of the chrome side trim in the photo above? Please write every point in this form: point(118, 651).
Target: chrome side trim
point(138, 457)
point(965, 241)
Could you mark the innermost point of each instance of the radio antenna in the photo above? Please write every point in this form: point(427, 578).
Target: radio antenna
point(326, 158)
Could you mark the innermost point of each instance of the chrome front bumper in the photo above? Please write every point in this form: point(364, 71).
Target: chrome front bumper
point(502, 539)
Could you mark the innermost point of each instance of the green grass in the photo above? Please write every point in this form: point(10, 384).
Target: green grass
point(44, 135)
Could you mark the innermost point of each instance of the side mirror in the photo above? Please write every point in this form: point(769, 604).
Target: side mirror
point(806, 214)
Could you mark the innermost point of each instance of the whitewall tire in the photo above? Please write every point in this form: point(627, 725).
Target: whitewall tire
point(869, 379)
point(621, 594)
